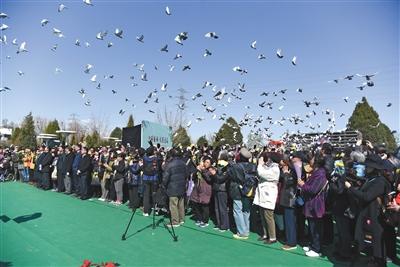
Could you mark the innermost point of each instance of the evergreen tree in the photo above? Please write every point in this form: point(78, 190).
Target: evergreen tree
point(201, 141)
point(130, 121)
point(73, 140)
point(181, 138)
point(27, 135)
point(366, 120)
point(229, 133)
point(15, 137)
point(117, 133)
point(93, 140)
point(52, 127)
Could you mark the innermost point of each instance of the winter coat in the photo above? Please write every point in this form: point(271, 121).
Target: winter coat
point(371, 212)
point(46, 162)
point(202, 188)
point(174, 177)
point(235, 177)
point(69, 159)
point(85, 165)
point(288, 189)
point(267, 189)
point(61, 164)
point(120, 170)
point(151, 168)
point(312, 192)
point(135, 174)
point(222, 170)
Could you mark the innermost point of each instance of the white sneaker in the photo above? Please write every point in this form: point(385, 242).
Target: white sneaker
point(306, 249)
point(312, 254)
point(145, 214)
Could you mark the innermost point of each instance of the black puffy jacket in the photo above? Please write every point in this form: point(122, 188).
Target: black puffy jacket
point(174, 177)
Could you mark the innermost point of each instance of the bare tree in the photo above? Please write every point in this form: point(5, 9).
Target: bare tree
point(77, 125)
point(169, 118)
point(40, 124)
point(98, 124)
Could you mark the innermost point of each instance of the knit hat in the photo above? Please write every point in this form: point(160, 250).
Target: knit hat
point(223, 155)
point(244, 152)
point(357, 156)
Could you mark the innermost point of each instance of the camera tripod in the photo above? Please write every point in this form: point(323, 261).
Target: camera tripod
point(154, 224)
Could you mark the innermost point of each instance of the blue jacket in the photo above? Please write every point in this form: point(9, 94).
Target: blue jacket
point(151, 168)
point(75, 163)
point(135, 176)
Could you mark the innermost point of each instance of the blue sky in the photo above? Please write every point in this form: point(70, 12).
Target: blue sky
point(331, 39)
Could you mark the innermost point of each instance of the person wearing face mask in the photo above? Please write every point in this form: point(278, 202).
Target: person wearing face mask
point(369, 227)
point(290, 170)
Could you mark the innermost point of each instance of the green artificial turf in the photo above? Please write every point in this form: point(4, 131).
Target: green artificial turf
point(43, 228)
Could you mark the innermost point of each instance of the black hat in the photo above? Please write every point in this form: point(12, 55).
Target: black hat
point(150, 151)
point(275, 157)
point(299, 154)
point(374, 161)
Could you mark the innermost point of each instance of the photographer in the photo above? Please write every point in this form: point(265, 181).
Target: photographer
point(174, 182)
point(151, 171)
point(369, 228)
point(134, 181)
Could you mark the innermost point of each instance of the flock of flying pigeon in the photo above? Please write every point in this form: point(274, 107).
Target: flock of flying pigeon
point(212, 97)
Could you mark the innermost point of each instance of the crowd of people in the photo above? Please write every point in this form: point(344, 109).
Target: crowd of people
point(295, 197)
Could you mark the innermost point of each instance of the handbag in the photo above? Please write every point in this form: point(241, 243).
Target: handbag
point(95, 179)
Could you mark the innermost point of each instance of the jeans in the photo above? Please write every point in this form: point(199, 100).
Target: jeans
point(26, 174)
point(290, 227)
point(241, 214)
point(315, 225)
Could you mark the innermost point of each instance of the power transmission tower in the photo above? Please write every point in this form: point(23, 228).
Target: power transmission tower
point(182, 104)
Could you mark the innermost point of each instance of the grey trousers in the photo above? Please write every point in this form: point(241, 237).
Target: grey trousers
point(67, 183)
point(268, 223)
point(104, 190)
point(177, 209)
point(118, 189)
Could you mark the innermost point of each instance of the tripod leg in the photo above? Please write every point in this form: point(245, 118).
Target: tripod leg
point(154, 215)
point(127, 227)
point(172, 227)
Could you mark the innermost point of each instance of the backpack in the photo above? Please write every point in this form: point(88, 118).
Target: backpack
point(250, 182)
point(151, 167)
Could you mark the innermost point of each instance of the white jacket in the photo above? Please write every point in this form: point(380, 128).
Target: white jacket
point(267, 189)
